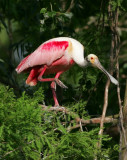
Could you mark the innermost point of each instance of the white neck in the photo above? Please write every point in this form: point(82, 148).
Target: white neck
point(82, 63)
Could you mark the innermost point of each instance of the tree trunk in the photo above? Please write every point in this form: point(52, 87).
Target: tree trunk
point(124, 134)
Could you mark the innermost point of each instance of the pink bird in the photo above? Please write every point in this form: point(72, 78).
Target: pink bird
point(57, 56)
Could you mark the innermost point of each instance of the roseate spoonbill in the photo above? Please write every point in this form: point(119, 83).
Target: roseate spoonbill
point(56, 56)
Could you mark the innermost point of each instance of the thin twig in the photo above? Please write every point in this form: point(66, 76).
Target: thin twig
point(10, 152)
point(80, 123)
point(16, 149)
point(71, 6)
point(104, 112)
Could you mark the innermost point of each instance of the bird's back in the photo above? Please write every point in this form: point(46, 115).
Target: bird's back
point(52, 50)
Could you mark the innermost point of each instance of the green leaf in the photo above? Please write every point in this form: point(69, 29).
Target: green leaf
point(51, 14)
point(43, 10)
point(61, 127)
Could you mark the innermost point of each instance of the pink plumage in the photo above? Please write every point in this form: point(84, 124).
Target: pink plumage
point(50, 57)
point(45, 54)
point(56, 56)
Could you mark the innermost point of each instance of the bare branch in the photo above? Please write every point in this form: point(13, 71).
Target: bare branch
point(104, 111)
point(10, 152)
point(71, 6)
point(113, 19)
point(123, 125)
point(61, 109)
point(109, 119)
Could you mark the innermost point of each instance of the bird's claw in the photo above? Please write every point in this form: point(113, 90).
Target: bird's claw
point(60, 83)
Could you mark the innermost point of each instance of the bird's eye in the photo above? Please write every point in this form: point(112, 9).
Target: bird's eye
point(91, 58)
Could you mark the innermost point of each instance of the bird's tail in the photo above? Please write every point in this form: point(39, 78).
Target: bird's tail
point(22, 65)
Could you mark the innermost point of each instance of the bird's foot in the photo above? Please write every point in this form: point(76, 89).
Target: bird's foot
point(57, 105)
point(60, 83)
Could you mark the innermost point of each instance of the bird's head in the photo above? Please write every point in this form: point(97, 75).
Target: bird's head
point(94, 61)
point(91, 59)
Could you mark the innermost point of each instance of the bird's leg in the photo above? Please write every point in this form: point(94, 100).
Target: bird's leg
point(53, 84)
point(53, 88)
point(51, 79)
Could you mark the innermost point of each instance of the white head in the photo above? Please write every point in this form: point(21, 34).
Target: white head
point(93, 60)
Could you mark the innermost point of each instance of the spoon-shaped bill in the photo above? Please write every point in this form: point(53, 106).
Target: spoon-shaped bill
point(98, 65)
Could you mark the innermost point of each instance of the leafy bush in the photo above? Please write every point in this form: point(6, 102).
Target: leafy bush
point(28, 132)
point(20, 126)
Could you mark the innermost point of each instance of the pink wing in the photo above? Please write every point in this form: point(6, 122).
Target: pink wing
point(46, 53)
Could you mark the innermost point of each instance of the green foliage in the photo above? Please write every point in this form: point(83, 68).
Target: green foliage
point(79, 108)
point(56, 19)
point(78, 145)
point(27, 132)
point(20, 125)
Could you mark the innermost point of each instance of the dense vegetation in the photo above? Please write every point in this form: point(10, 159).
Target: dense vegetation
point(29, 129)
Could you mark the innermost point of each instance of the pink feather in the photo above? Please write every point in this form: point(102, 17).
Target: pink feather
point(45, 54)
